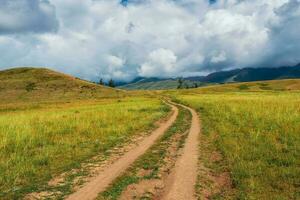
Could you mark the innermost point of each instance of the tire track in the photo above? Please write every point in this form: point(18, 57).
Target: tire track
point(98, 184)
point(181, 182)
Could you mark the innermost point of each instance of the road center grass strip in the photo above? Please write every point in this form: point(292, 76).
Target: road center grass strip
point(152, 161)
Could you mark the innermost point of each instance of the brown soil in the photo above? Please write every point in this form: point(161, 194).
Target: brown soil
point(153, 188)
point(182, 180)
point(144, 189)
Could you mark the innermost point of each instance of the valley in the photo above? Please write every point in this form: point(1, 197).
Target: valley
point(63, 138)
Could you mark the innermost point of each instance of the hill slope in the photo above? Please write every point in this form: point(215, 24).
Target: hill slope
point(40, 84)
point(256, 86)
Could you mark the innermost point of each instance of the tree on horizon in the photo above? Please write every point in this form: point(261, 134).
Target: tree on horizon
point(101, 82)
point(111, 83)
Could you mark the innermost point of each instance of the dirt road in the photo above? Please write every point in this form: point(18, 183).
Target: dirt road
point(181, 182)
point(101, 181)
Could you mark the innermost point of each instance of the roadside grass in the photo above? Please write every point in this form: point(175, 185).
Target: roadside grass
point(40, 141)
point(258, 135)
point(152, 160)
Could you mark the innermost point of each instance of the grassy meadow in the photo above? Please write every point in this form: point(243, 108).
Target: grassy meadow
point(258, 134)
point(38, 143)
point(51, 123)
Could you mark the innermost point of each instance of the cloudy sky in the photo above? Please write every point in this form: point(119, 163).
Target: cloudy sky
point(123, 39)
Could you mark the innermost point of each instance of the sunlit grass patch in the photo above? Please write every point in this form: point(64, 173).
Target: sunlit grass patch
point(38, 143)
point(259, 137)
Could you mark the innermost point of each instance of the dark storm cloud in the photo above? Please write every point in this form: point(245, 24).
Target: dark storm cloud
point(284, 36)
point(22, 16)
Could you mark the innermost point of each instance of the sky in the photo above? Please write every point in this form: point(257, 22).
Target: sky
point(124, 39)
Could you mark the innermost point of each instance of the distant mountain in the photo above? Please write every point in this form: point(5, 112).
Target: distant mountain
point(163, 84)
point(236, 75)
point(250, 74)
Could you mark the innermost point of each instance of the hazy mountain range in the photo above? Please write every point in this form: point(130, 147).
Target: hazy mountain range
point(236, 75)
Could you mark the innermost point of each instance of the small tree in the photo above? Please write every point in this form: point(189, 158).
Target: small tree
point(180, 82)
point(195, 85)
point(111, 83)
point(101, 82)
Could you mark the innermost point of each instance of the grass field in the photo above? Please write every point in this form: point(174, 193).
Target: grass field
point(51, 123)
point(258, 134)
point(39, 143)
point(274, 85)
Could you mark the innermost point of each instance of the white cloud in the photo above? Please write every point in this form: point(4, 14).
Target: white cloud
point(155, 37)
point(161, 62)
point(115, 62)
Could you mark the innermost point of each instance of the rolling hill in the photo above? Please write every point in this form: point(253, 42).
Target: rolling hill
point(40, 84)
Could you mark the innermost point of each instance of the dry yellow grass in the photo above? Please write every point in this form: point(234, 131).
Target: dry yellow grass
point(22, 85)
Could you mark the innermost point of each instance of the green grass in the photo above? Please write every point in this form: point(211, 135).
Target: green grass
point(274, 85)
point(152, 160)
point(258, 135)
point(41, 142)
point(51, 123)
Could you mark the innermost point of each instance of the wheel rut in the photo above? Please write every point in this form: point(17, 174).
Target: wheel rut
point(180, 184)
point(100, 182)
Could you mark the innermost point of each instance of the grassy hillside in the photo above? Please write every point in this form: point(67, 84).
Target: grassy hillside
point(159, 85)
point(39, 84)
point(275, 85)
point(259, 86)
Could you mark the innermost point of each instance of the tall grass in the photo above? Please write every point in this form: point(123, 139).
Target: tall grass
point(259, 137)
point(39, 143)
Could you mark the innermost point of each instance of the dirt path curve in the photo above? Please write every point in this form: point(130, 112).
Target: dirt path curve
point(91, 190)
point(181, 182)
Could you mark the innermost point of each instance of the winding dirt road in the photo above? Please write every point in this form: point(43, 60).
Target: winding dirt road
point(99, 183)
point(182, 180)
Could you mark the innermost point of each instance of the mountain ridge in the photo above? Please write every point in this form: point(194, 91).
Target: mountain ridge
point(221, 77)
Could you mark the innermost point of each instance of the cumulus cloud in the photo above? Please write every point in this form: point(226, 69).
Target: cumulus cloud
point(129, 38)
point(160, 62)
point(20, 16)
